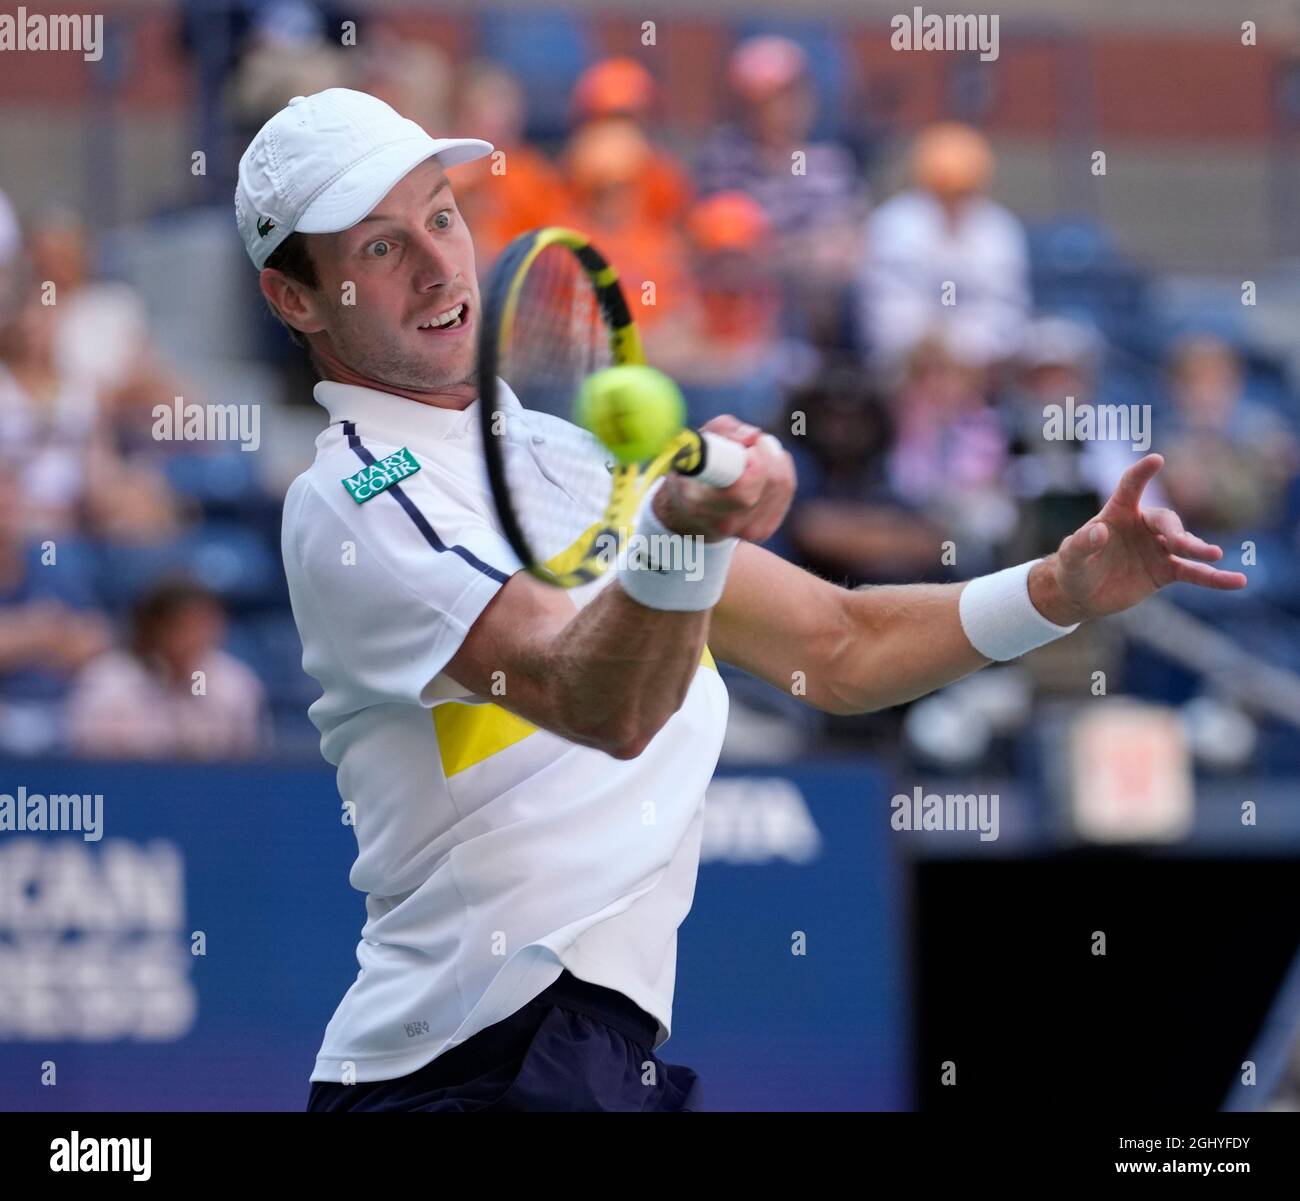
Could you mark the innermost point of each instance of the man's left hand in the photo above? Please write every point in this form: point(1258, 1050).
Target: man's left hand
point(1123, 555)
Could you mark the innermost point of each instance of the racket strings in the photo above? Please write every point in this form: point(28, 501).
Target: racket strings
point(557, 338)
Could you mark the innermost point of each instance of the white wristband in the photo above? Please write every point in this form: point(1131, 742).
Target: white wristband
point(999, 618)
point(662, 569)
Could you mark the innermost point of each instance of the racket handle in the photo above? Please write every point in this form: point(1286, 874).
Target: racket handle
point(723, 461)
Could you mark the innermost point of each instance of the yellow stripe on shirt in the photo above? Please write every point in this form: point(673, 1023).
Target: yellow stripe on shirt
point(468, 734)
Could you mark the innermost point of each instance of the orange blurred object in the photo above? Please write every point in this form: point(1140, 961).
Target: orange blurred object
point(727, 221)
point(614, 150)
point(952, 160)
point(606, 154)
point(501, 197)
point(606, 165)
point(613, 87)
point(620, 91)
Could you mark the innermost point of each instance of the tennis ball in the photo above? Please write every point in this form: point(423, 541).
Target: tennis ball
point(633, 410)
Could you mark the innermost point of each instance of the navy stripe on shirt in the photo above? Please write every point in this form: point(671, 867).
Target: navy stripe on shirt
point(413, 512)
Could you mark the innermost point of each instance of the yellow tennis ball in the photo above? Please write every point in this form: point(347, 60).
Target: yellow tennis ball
point(634, 410)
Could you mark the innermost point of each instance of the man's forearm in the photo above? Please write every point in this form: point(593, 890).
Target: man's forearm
point(838, 650)
point(619, 670)
point(900, 642)
point(910, 640)
point(607, 676)
point(863, 650)
point(855, 651)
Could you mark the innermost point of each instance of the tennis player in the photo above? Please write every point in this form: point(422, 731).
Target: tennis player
point(525, 767)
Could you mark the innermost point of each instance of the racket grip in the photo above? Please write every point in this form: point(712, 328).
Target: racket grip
point(724, 461)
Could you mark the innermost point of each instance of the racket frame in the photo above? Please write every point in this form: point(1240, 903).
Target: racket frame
point(630, 481)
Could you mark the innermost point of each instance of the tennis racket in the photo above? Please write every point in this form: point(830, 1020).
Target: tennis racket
point(552, 314)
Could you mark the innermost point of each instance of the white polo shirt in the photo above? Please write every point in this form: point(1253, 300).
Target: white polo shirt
point(493, 854)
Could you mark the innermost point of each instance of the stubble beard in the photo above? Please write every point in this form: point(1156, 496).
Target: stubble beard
point(380, 356)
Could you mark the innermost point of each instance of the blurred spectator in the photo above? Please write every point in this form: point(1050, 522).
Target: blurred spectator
point(49, 420)
point(10, 249)
point(100, 327)
point(1230, 460)
point(1059, 482)
point(846, 523)
point(53, 443)
point(415, 78)
point(725, 346)
point(810, 191)
point(603, 162)
point(515, 188)
point(49, 628)
point(172, 692)
point(621, 89)
point(944, 233)
point(285, 54)
point(950, 452)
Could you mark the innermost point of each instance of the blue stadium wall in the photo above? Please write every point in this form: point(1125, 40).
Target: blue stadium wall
point(191, 957)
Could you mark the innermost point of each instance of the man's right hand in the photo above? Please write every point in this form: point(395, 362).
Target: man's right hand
point(752, 508)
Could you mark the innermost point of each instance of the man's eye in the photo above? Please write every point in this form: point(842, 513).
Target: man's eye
point(379, 250)
point(442, 219)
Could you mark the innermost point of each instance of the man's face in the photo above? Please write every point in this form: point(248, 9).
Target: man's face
point(387, 282)
point(190, 636)
point(786, 115)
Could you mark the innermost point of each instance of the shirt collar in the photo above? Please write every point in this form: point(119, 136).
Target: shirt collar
point(407, 422)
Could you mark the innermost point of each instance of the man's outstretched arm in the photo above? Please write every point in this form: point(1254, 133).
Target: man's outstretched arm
point(856, 651)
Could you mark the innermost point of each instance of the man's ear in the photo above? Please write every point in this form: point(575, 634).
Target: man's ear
point(297, 305)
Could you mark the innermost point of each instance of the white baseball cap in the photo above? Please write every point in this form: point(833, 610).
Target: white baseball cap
point(324, 161)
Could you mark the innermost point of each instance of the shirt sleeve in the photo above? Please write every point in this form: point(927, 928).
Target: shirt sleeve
point(384, 592)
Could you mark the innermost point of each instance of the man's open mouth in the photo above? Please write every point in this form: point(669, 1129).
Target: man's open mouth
point(452, 318)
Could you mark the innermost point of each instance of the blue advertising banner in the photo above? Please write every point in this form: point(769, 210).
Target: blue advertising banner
point(182, 939)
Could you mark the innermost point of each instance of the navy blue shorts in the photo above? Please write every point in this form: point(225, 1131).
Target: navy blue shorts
point(576, 1047)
